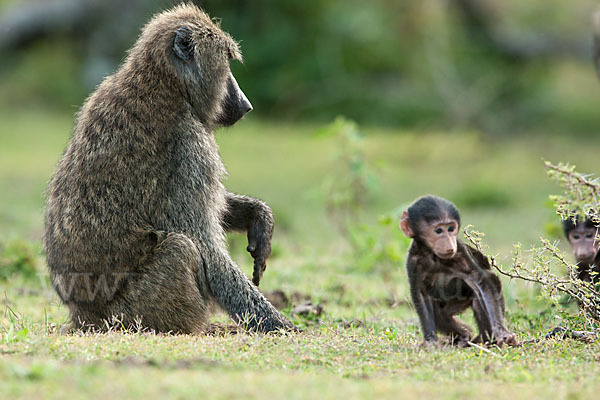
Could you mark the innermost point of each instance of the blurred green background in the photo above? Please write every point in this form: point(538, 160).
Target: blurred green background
point(462, 98)
point(488, 64)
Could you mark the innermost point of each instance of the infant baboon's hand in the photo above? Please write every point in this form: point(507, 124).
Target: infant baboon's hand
point(259, 242)
point(507, 338)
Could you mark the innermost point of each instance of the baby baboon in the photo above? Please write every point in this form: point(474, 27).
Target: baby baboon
point(446, 277)
point(581, 234)
point(136, 211)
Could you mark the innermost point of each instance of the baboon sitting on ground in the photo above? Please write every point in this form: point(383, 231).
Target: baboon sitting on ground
point(136, 212)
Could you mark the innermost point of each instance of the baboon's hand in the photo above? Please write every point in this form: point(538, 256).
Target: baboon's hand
point(259, 242)
point(507, 338)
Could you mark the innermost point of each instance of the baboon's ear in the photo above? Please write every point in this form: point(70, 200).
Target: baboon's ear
point(405, 225)
point(182, 45)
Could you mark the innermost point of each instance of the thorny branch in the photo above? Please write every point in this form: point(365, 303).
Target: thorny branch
point(581, 191)
point(585, 293)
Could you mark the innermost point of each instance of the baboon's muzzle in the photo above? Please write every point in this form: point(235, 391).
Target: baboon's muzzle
point(236, 104)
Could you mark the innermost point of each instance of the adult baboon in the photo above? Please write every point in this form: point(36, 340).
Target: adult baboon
point(136, 212)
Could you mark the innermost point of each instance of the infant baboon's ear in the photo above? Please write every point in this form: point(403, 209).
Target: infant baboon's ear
point(405, 225)
point(183, 45)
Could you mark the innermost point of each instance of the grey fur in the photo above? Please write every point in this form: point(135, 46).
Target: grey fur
point(136, 212)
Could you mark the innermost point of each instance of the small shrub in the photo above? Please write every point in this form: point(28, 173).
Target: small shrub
point(351, 182)
point(380, 246)
point(581, 192)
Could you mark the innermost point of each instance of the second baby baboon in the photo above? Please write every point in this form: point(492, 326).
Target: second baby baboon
point(447, 276)
point(582, 234)
point(136, 212)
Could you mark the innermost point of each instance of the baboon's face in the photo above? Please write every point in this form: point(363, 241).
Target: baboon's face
point(441, 237)
point(202, 58)
point(583, 240)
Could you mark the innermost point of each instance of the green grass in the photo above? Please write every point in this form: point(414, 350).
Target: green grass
point(499, 184)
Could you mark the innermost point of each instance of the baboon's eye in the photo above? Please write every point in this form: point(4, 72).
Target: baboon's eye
point(438, 230)
point(451, 229)
point(576, 237)
point(589, 235)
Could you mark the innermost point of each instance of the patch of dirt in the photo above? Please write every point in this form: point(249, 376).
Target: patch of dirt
point(301, 304)
point(278, 298)
point(282, 301)
point(308, 309)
